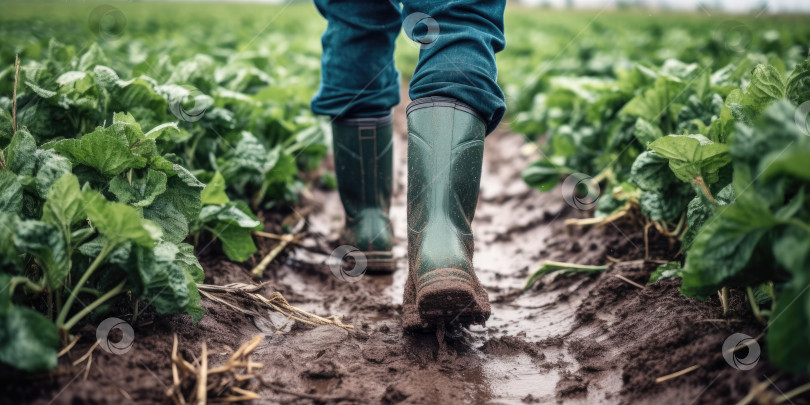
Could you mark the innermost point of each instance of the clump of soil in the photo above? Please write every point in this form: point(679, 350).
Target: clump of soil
point(582, 339)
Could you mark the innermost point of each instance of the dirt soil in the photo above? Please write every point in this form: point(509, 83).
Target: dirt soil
point(578, 339)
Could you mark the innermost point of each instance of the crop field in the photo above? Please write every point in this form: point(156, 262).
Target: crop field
point(169, 216)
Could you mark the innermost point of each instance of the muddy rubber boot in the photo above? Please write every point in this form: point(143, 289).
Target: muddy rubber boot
point(364, 169)
point(445, 154)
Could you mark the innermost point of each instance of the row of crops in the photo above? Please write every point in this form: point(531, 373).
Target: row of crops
point(704, 129)
point(130, 143)
point(139, 135)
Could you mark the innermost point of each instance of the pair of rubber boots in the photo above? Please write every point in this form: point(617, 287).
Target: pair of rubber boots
point(445, 154)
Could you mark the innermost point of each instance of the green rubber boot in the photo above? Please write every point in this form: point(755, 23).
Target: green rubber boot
point(364, 169)
point(445, 154)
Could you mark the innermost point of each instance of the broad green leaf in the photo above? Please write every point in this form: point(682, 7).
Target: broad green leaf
point(8, 252)
point(174, 224)
point(162, 282)
point(120, 222)
point(665, 271)
point(46, 243)
point(723, 252)
point(50, 166)
point(766, 85)
point(228, 213)
point(543, 175)
point(20, 153)
point(214, 192)
point(787, 346)
point(692, 156)
point(185, 258)
point(11, 193)
point(179, 206)
point(654, 103)
point(651, 172)
point(28, 340)
point(666, 205)
point(64, 205)
point(237, 243)
point(142, 190)
point(798, 85)
point(646, 132)
point(103, 150)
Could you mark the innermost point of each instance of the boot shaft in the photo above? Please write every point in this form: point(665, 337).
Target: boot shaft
point(445, 155)
point(363, 149)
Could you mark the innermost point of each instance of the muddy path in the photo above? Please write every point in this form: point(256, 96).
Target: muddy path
point(579, 339)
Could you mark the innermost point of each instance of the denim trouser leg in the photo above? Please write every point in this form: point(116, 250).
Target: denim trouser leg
point(359, 79)
point(358, 75)
point(458, 60)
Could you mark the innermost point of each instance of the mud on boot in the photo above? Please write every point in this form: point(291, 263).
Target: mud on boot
point(445, 154)
point(364, 170)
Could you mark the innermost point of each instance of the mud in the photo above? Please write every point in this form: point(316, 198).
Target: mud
point(577, 339)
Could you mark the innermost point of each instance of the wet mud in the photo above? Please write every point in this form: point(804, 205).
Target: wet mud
point(578, 339)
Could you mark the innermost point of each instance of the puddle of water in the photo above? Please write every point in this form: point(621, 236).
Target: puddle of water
point(509, 379)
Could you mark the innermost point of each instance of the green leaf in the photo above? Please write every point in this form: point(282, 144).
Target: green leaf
point(666, 205)
point(20, 153)
point(650, 171)
point(646, 132)
point(185, 258)
point(8, 252)
point(214, 192)
point(798, 85)
point(566, 269)
point(692, 156)
point(543, 175)
point(792, 250)
point(665, 271)
point(790, 323)
point(162, 282)
point(50, 167)
point(104, 150)
point(723, 251)
point(10, 192)
point(28, 340)
point(179, 206)
point(654, 103)
point(228, 213)
point(120, 222)
point(46, 243)
point(766, 85)
point(64, 203)
point(237, 243)
point(144, 187)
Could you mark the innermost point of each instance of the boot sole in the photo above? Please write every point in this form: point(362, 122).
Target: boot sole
point(447, 297)
point(378, 262)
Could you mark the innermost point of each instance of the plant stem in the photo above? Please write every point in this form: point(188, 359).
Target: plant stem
point(81, 314)
point(724, 300)
point(800, 224)
point(108, 247)
point(17, 280)
point(702, 184)
point(754, 305)
point(135, 312)
point(14, 97)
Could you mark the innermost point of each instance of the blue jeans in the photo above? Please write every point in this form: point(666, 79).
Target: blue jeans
point(457, 39)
